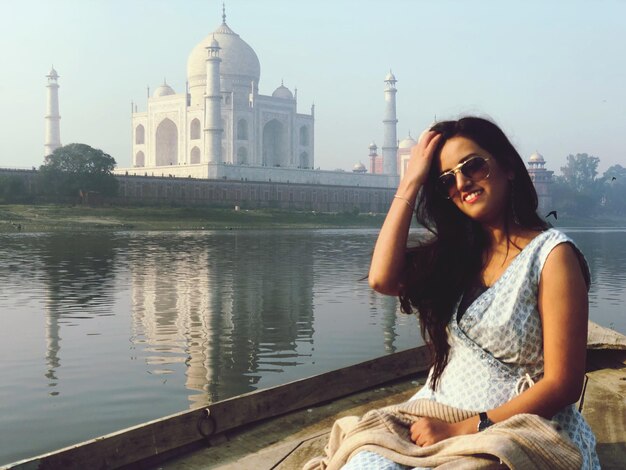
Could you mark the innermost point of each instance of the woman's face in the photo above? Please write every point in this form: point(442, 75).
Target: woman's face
point(482, 200)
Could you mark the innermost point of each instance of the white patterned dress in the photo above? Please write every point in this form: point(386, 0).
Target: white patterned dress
point(495, 345)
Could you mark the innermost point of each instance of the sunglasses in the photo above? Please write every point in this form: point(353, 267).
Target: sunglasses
point(474, 168)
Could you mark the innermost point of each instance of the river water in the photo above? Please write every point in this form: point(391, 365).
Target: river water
point(100, 331)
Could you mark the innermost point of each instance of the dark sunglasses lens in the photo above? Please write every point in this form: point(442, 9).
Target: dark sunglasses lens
point(475, 169)
point(445, 184)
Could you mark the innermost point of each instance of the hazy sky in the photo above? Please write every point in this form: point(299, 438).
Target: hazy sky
point(551, 73)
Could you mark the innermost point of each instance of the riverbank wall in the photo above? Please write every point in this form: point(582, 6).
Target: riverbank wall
point(253, 194)
point(162, 190)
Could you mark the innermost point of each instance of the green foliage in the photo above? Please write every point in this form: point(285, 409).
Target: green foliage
point(12, 189)
point(77, 168)
point(576, 192)
point(581, 171)
point(579, 192)
point(614, 190)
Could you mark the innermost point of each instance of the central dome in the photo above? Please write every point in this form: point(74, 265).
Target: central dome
point(239, 61)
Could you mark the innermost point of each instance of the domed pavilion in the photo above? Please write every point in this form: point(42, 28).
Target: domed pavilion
point(221, 118)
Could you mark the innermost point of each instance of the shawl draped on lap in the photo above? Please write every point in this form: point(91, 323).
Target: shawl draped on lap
point(523, 441)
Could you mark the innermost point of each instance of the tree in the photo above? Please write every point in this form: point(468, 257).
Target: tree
point(581, 171)
point(578, 191)
point(77, 168)
point(614, 190)
point(12, 189)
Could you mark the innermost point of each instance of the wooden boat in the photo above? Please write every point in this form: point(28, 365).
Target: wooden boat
point(284, 426)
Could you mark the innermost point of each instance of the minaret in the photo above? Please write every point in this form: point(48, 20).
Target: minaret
point(52, 139)
point(390, 140)
point(373, 156)
point(213, 106)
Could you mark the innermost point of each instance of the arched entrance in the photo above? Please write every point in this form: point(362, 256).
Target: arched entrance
point(140, 159)
point(166, 143)
point(242, 156)
point(275, 144)
point(195, 155)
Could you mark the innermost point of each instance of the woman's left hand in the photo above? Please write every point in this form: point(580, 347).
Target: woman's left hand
point(429, 431)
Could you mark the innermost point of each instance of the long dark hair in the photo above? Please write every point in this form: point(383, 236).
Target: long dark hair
point(438, 271)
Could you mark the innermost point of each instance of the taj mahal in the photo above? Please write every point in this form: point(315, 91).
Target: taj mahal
point(234, 145)
point(221, 127)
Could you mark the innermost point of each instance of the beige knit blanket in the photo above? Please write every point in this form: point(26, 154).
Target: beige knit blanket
point(521, 442)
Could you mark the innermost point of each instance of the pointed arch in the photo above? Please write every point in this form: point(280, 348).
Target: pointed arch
point(304, 160)
point(140, 159)
point(166, 143)
point(304, 136)
point(275, 144)
point(140, 135)
point(242, 129)
point(194, 156)
point(242, 156)
point(194, 129)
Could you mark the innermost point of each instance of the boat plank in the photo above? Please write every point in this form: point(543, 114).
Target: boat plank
point(604, 409)
point(605, 406)
point(149, 440)
point(280, 439)
point(305, 452)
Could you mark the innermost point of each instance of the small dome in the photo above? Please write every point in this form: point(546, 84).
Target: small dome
point(407, 143)
point(359, 168)
point(53, 73)
point(214, 43)
point(373, 145)
point(390, 77)
point(282, 92)
point(536, 158)
point(164, 90)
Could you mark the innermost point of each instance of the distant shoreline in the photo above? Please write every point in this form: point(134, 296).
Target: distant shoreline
point(64, 218)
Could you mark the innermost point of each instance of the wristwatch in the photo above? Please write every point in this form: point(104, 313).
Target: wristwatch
point(484, 422)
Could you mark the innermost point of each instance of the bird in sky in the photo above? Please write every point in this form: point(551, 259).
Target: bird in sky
point(552, 213)
point(613, 179)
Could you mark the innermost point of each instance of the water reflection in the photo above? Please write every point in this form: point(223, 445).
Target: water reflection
point(229, 306)
point(605, 251)
point(76, 272)
point(129, 327)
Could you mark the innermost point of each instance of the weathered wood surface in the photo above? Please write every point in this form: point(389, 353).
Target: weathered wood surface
point(287, 443)
point(177, 431)
point(599, 337)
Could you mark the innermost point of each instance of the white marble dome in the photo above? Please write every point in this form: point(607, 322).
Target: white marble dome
point(407, 143)
point(536, 158)
point(282, 92)
point(239, 61)
point(359, 168)
point(164, 90)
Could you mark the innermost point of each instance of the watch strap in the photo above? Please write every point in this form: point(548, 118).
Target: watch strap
point(483, 421)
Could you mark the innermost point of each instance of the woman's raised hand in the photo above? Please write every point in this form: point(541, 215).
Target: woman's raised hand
point(387, 266)
point(421, 158)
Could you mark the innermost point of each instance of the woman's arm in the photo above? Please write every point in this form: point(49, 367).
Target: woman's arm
point(563, 306)
point(388, 258)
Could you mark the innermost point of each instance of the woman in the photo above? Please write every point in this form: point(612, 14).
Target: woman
point(502, 299)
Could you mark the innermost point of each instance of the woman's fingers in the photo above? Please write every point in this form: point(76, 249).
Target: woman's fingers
point(421, 157)
point(428, 431)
